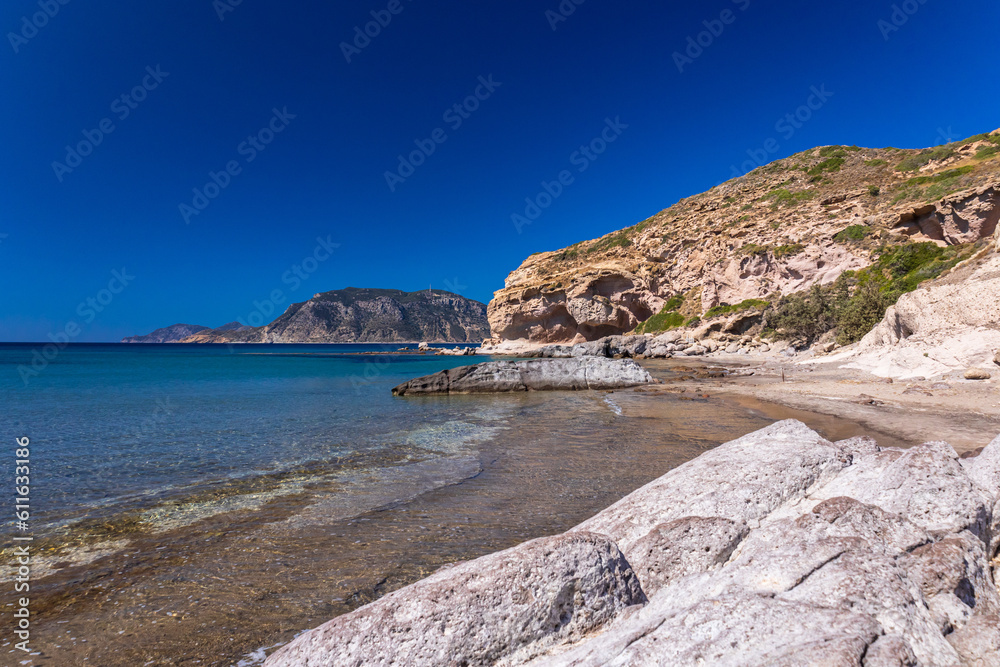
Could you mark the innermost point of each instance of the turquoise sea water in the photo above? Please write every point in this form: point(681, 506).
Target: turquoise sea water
point(204, 504)
point(128, 427)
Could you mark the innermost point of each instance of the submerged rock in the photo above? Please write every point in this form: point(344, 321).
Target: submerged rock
point(777, 548)
point(532, 375)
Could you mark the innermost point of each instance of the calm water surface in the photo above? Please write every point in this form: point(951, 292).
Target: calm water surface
point(204, 504)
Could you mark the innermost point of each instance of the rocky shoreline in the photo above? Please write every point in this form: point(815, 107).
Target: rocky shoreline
point(533, 375)
point(779, 547)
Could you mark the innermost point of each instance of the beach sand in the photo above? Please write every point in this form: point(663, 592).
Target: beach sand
point(964, 413)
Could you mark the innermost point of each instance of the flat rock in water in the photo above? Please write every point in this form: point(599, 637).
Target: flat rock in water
point(531, 375)
point(779, 548)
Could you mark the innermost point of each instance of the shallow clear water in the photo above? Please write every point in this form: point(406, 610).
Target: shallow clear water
point(116, 427)
point(200, 503)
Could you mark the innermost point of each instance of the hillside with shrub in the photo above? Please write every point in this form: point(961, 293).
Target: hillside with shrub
point(816, 244)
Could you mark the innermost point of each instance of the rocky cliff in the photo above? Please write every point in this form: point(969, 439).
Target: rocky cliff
point(947, 324)
point(367, 315)
point(780, 229)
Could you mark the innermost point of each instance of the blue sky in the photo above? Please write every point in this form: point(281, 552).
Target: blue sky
point(272, 81)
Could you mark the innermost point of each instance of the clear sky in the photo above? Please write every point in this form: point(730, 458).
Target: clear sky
point(308, 117)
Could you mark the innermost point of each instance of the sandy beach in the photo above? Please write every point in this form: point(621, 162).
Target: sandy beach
point(964, 413)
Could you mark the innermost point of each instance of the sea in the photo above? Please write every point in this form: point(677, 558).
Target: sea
point(124, 427)
point(205, 504)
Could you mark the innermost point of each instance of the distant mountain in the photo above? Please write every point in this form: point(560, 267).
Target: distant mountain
point(380, 315)
point(232, 326)
point(171, 334)
point(360, 315)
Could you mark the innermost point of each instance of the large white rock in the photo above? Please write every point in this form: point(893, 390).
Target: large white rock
point(743, 481)
point(779, 548)
point(503, 608)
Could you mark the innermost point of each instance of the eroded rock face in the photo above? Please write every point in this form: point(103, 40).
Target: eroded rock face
point(963, 217)
point(759, 276)
point(951, 324)
point(684, 546)
point(779, 548)
point(599, 303)
point(773, 230)
point(534, 375)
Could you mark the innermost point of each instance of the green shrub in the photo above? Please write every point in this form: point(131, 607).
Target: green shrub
point(662, 321)
point(831, 165)
point(674, 302)
point(915, 162)
point(863, 310)
point(984, 152)
point(941, 184)
point(853, 233)
point(977, 137)
point(807, 314)
point(942, 177)
point(783, 197)
point(856, 302)
point(725, 309)
point(571, 252)
point(789, 250)
point(874, 190)
point(832, 151)
point(752, 249)
point(619, 240)
point(904, 195)
point(875, 163)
